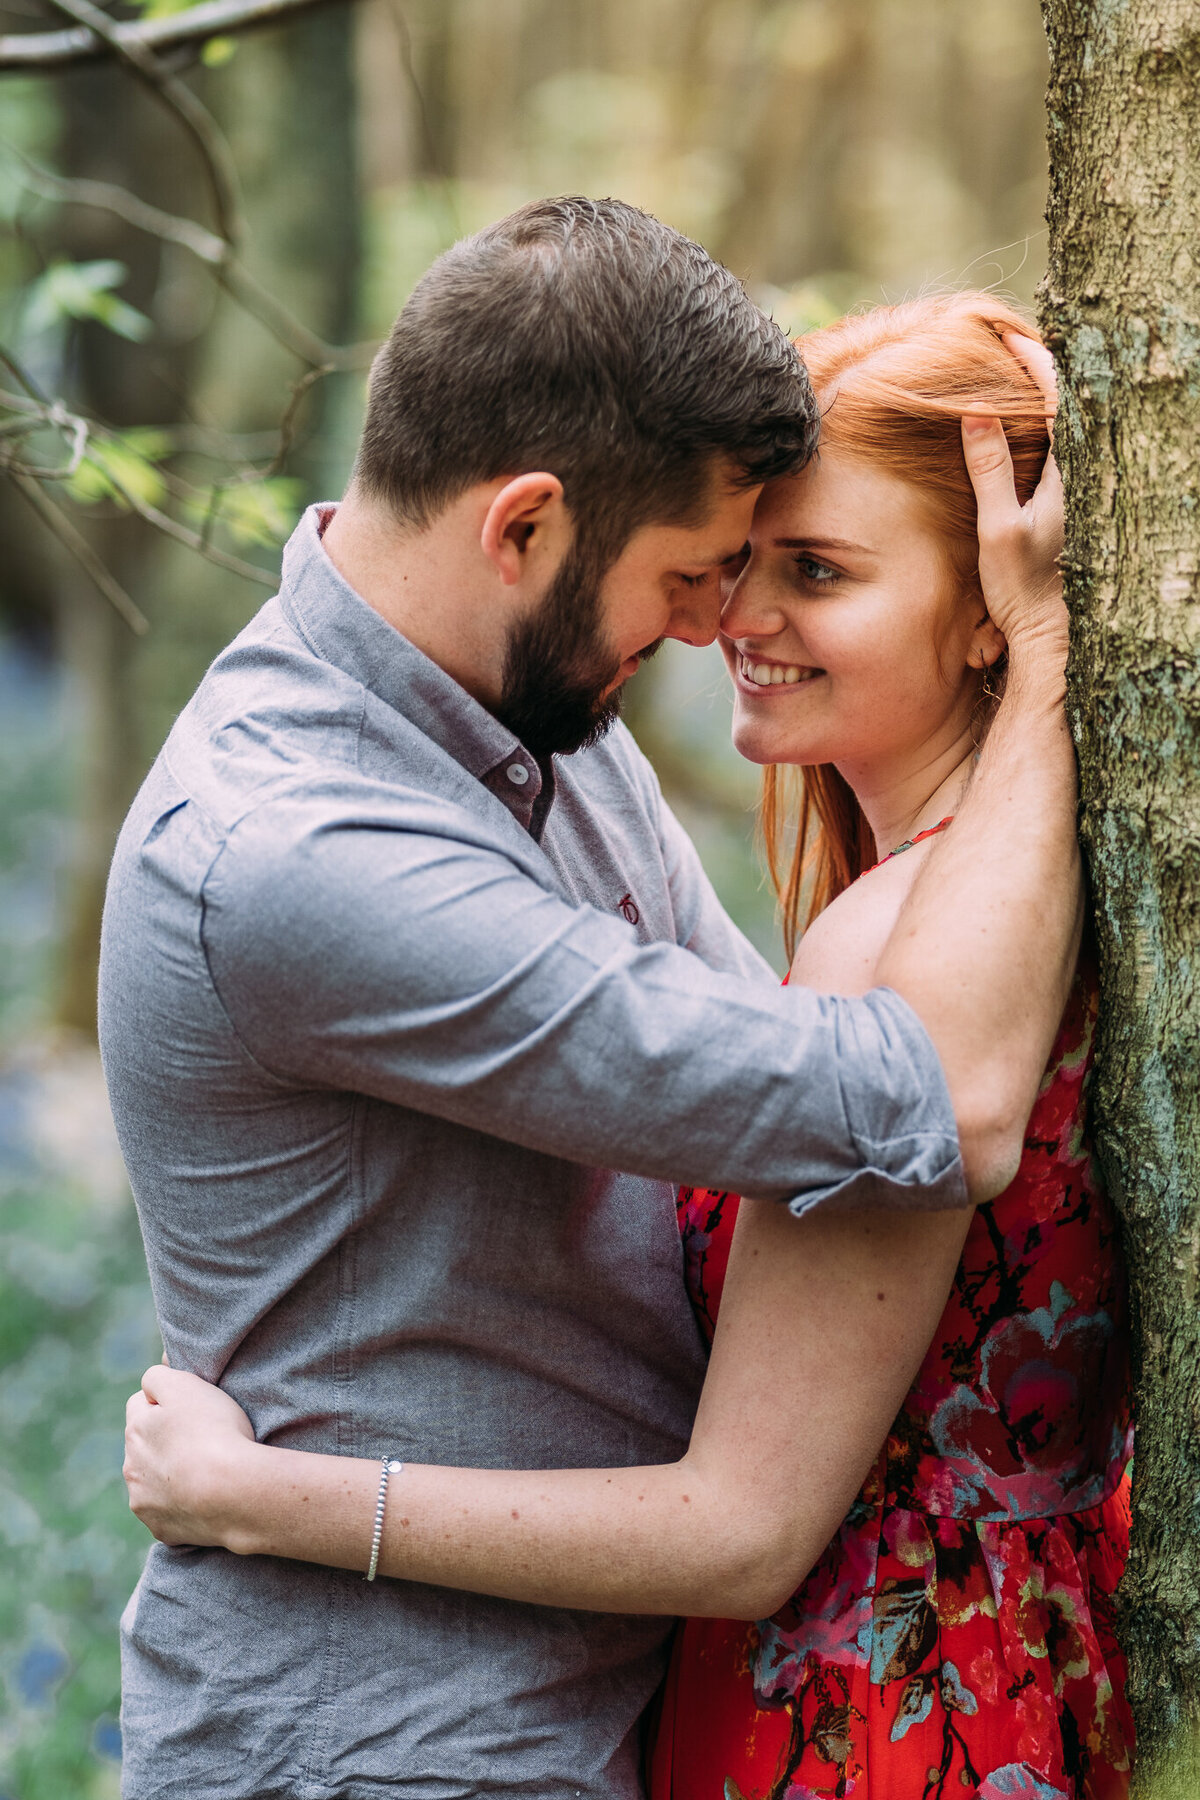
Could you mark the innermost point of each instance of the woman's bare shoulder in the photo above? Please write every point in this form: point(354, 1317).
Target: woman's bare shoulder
point(839, 952)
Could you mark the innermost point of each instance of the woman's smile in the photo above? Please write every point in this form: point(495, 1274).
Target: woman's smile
point(762, 677)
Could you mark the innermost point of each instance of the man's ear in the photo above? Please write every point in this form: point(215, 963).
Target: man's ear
point(526, 516)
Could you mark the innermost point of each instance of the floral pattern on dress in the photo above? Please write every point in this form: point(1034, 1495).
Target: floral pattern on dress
point(956, 1637)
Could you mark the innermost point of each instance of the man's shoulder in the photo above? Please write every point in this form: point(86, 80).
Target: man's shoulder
point(268, 705)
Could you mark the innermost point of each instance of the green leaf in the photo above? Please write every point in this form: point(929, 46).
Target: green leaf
point(114, 468)
point(69, 290)
point(215, 52)
point(259, 512)
point(162, 9)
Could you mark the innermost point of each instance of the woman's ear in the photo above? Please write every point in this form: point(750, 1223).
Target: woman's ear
point(988, 644)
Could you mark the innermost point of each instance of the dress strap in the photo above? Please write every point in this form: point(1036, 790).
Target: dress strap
point(909, 842)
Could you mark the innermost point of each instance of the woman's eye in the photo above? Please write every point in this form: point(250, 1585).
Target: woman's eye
point(816, 574)
point(696, 581)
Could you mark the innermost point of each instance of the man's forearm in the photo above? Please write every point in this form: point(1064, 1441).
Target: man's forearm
point(985, 947)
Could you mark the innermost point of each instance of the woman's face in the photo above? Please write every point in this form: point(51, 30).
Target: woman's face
point(845, 634)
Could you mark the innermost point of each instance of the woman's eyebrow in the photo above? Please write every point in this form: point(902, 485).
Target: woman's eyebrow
point(822, 543)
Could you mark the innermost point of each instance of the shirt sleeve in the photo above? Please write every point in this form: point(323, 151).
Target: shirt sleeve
point(411, 959)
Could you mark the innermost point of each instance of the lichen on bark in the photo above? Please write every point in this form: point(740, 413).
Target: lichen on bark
point(1121, 308)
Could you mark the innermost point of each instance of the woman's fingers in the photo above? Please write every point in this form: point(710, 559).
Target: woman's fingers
point(989, 465)
point(1018, 546)
point(1047, 502)
point(1037, 361)
point(1047, 506)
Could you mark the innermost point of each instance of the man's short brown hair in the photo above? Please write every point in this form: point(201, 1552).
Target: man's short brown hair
point(585, 338)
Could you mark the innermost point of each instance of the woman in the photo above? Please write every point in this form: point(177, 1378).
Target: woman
point(954, 1632)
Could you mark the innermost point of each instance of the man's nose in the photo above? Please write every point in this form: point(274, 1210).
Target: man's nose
point(697, 618)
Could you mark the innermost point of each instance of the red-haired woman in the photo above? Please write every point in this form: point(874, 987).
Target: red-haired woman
point(957, 1633)
point(952, 1635)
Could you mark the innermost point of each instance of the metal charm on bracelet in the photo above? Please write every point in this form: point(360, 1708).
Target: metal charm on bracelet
point(389, 1467)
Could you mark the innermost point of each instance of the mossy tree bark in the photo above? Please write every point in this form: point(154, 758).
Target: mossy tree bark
point(1121, 305)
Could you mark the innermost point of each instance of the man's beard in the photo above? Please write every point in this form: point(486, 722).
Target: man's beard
point(559, 666)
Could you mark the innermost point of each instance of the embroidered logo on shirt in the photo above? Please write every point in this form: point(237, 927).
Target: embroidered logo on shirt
point(628, 907)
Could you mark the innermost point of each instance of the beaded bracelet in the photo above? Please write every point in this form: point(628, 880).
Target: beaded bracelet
point(390, 1467)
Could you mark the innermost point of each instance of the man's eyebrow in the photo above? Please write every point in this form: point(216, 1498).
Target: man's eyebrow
point(717, 559)
point(823, 543)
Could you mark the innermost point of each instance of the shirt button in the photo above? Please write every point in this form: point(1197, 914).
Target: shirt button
point(517, 773)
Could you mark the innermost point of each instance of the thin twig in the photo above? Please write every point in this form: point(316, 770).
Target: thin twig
point(78, 547)
point(287, 425)
point(56, 414)
point(184, 535)
point(433, 150)
point(179, 99)
point(23, 376)
point(211, 250)
point(106, 196)
point(33, 51)
point(259, 301)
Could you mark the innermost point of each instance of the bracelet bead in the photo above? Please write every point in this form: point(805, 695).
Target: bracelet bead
point(389, 1466)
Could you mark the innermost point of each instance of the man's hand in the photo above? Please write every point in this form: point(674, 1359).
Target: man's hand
point(1019, 546)
point(182, 1441)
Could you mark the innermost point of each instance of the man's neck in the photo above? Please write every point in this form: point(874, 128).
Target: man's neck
point(423, 582)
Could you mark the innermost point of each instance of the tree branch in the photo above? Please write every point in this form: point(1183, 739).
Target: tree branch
point(37, 50)
point(179, 99)
point(193, 539)
point(78, 547)
point(209, 249)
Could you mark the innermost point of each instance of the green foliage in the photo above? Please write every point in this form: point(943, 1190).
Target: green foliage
point(69, 290)
point(217, 52)
point(77, 1331)
point(122, 469)
point(253, 512)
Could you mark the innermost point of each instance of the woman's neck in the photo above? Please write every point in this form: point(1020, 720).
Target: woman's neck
point(899, 802)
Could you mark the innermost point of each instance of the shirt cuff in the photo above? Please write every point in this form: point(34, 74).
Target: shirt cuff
point(898, 1113)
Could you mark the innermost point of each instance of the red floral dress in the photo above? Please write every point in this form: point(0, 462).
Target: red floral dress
point(956, 1637)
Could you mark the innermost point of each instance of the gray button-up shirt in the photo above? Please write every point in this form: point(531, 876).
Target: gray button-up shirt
point(407, 1037)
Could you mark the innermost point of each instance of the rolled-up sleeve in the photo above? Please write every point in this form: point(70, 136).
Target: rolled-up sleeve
point(395, 951)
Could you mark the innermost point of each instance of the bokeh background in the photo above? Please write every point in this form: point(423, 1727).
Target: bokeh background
point(835, 153)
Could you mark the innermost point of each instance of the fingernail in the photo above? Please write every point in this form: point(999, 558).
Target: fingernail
point(974, 426)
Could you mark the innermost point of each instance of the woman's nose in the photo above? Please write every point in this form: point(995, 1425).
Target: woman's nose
point(748, 609)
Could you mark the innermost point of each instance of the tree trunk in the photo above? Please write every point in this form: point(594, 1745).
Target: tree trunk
point(1122, 308)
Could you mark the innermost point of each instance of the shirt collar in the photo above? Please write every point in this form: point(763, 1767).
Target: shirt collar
point(342, 629)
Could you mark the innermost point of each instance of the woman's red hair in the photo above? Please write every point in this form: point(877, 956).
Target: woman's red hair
point(893, 385)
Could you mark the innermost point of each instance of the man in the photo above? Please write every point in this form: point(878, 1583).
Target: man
point(415, 1000)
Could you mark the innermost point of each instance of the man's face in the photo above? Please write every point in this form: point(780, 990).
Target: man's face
point(568, 661)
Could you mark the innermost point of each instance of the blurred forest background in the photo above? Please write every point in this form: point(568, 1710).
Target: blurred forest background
point(833, 152)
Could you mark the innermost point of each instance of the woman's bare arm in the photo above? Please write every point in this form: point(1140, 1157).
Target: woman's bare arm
point(985, 947)
point(822, 1326)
